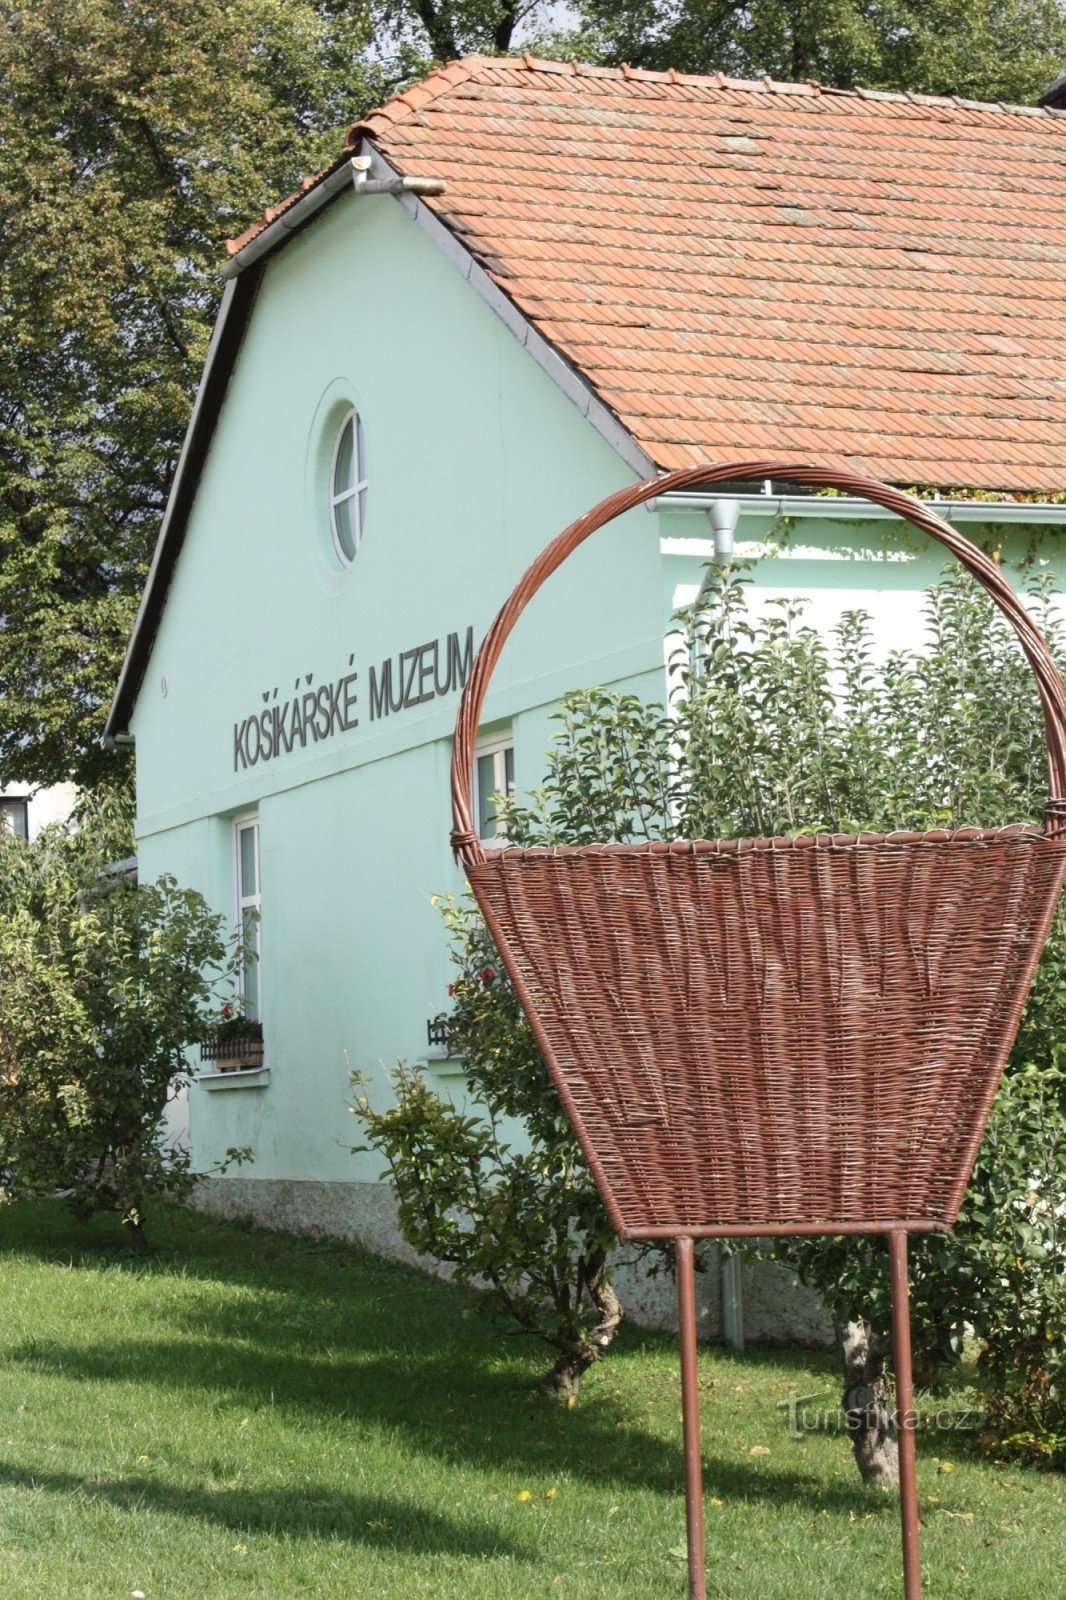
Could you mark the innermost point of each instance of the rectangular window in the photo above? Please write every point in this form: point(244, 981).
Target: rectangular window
point(246, 839)
point(493, 775)
point(14, 815)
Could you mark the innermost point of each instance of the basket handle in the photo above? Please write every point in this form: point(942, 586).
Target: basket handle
point(465, 842)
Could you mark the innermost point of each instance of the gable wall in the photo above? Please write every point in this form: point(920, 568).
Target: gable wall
point(475, 460)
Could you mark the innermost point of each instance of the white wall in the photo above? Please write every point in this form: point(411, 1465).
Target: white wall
point(45, 805)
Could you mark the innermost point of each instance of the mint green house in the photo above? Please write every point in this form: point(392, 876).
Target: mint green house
point(521, 287)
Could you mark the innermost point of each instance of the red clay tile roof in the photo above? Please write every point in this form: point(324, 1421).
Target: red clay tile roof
point(875, 282)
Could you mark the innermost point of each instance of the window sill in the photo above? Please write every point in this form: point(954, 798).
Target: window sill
point(243, 1078)
point(443, 1068)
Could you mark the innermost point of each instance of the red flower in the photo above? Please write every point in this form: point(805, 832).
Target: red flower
point(451, 990)
point(487, 976)
point(227, 1009)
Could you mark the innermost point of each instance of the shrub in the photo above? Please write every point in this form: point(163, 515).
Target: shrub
point(524, 1227)
point(772, 730)
point(105, 983)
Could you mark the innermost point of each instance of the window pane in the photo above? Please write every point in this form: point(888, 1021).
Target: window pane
point(343, 475)
point(13, 814)
point(250, 966)
point(346, 527)
point(508, 772)
point(360, 453)
point(249, 877)
point(486, 788)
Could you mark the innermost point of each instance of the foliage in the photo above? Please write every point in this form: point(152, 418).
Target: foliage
point(978, 49)
point(233, 1024)
point(522, 1223)
point(105, 983)
point(133, 138)
point(772, 730)
point(421, 32)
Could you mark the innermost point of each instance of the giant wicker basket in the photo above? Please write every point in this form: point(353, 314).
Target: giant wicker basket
point(760, 1035)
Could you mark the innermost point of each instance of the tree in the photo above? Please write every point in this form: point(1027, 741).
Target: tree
point(105, 984)
point(978, 49)
point(421, 32)
point(133, 138)
point(521, 1224)
point(773, 730)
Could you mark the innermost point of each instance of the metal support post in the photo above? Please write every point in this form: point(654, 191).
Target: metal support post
point(690, 1416)
point(905, 1416)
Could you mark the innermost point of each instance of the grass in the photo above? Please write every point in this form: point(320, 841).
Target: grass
point(246, 1414)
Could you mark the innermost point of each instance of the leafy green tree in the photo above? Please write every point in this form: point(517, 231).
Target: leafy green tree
point(133, 139)
point(105, 982)
point(978, 49)
point(775, 730)
point(424, 31)
point(519, 1222)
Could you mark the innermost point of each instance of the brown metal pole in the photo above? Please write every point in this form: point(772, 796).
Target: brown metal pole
point(690, 1417)
point(905, 1417)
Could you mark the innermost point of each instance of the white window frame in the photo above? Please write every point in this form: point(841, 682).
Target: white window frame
point(356, 489)
point(251, 902)
point(497, 746)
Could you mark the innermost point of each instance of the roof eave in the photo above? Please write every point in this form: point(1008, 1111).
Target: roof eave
point(333, 182)
point(237, 299)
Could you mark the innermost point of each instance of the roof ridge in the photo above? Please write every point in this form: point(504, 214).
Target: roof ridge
point(441, 79)
point(417, 96)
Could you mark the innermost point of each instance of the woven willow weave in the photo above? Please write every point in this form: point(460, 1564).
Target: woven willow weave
point(775, 1036)
point(799, 1034)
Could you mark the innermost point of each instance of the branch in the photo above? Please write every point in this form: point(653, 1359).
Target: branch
point(441, 34)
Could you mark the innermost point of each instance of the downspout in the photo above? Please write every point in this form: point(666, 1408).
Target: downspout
point(733, 1300)
point(723, 516)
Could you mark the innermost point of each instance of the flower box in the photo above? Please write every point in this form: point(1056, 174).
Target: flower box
point(237, 1043)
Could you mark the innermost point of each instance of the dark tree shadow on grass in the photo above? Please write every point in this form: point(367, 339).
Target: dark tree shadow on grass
point(334, 1332)
point(464, 1418)
point(375, 1521)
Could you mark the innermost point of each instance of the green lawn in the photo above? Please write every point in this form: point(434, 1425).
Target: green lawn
point(250, 1415)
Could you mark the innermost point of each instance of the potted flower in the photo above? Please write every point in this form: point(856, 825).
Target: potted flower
point(237, 1042)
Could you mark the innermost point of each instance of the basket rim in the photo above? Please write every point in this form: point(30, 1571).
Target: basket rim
point(783, 842)
point(466, 843)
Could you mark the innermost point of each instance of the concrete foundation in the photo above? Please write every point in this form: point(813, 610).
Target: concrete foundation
point(775, 1305)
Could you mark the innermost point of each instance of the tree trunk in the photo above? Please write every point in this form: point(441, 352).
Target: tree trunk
point(138, 1240)
point(564, 1380)
point(504, 30)
point(871, 1425)
point(439, 29)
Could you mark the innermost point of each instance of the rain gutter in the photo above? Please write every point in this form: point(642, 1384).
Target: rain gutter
point(290, 220)
point(852, 508)
point(349, 174)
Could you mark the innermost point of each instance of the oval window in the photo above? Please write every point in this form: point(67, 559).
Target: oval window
point(348, 489)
